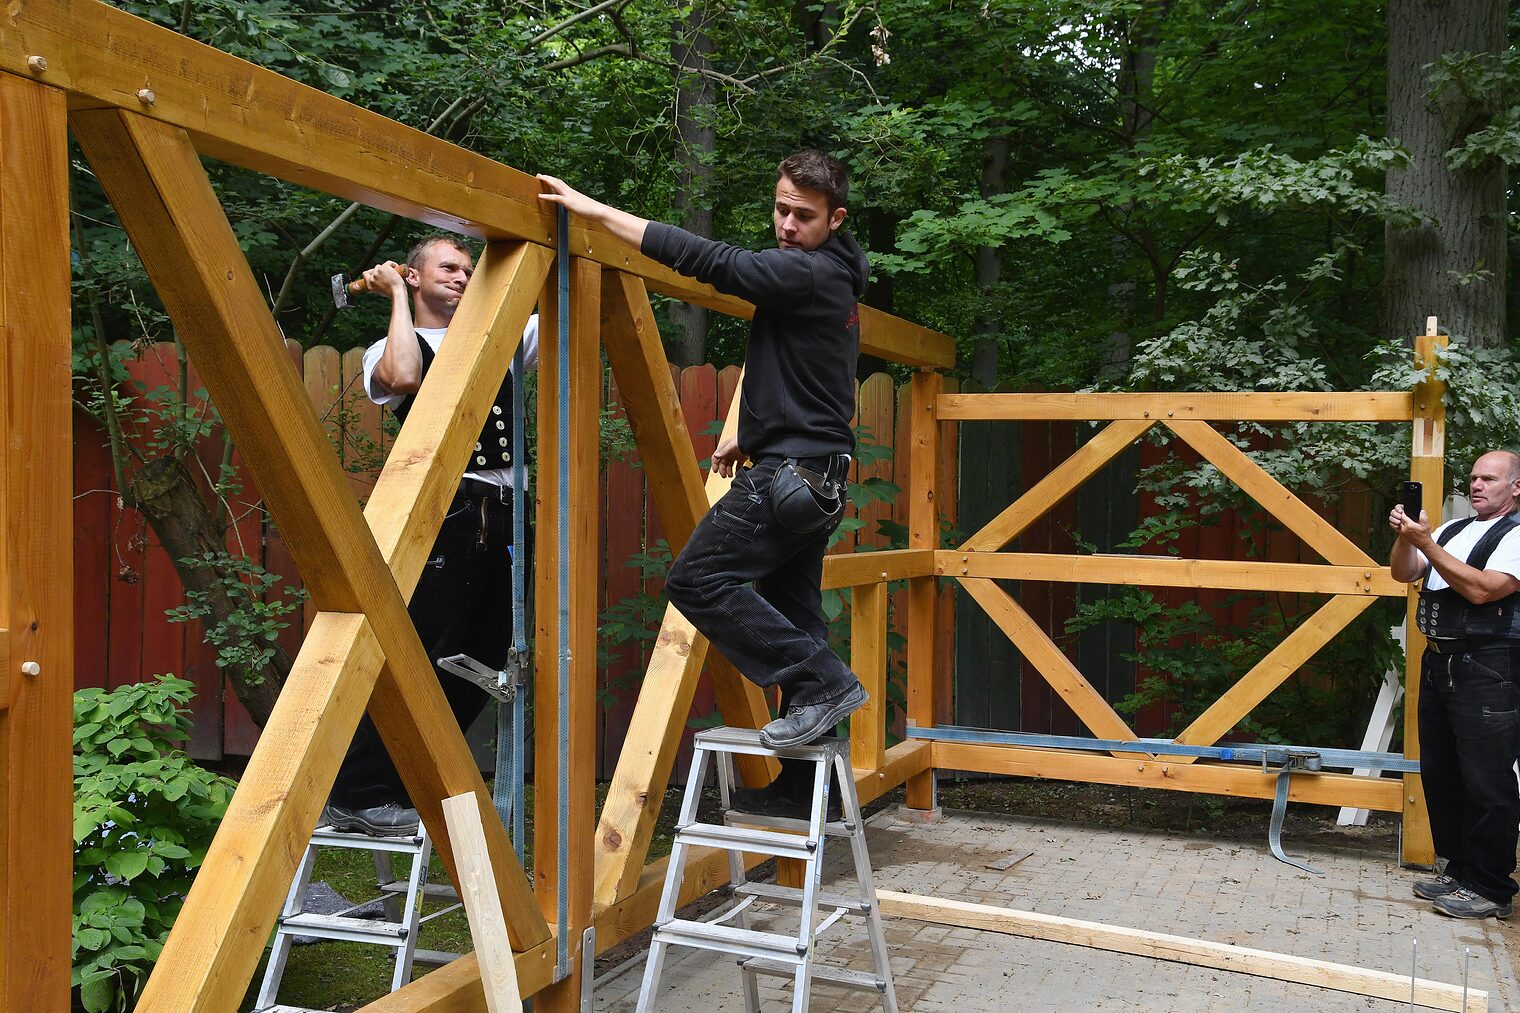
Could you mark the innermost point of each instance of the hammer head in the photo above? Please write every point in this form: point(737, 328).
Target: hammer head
point(340, 291)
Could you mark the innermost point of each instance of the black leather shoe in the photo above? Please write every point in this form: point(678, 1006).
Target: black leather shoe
point(801, 725)
point(1430, 889)
point(1464, 903)
point(389, 820)
point(778, 802)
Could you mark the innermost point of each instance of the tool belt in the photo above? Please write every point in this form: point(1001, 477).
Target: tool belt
point(1448, 645)
point(806, 499)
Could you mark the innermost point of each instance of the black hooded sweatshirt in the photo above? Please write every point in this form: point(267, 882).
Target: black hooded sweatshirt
point(804, 341)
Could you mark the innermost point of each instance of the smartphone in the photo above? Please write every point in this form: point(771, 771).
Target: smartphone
point(1411, 497)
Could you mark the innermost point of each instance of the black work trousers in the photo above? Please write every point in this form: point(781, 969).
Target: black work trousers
point(1469, 735)
point(462, 605)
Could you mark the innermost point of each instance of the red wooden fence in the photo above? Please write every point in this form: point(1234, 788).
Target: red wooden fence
point(125, 582)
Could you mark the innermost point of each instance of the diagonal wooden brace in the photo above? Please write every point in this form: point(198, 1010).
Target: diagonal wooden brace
point(154, 178)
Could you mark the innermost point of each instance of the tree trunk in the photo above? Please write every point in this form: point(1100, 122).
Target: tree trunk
point(692, 47)
point(988, 326)
point(1454, 268)
point(168, 497)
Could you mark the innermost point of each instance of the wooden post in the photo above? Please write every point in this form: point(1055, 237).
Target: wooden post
point(923, 533)
point(868, 659)
point(1427, 464)
point(36, 575)
point(585, 369)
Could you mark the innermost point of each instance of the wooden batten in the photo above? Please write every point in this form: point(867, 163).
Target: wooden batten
point(1156, 406)
point(923, 536)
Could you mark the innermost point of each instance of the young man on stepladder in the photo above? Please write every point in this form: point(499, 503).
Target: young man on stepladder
point(749, 578)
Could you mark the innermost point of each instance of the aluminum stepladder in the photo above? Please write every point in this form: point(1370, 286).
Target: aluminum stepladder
point(761, 952)
point(402, 899)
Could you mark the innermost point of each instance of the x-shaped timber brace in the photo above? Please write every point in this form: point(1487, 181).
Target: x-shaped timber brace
point(145, 105)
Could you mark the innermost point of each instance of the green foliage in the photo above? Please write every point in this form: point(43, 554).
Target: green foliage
point(144, 815)
point(247, 637)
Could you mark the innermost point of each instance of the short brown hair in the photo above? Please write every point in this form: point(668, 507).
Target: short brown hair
point(817, 170)
point(432, 239)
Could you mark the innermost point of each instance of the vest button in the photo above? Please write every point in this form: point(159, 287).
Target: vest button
point(502, 441)
point(496, 409)
point(477, 447)
point(480, 461)
point(500, 424)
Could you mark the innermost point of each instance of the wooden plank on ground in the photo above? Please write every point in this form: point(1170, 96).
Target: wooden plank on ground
point(1062, 481)
point(255, 118)
point(155, 179)
point(1237, 780)
point(1392, 406)
point(1295, 514)
point(482, 904)
point(1180, 949)
point(36, 562)
point(1271, 671)
point(1168, 571)
point(1086, 702)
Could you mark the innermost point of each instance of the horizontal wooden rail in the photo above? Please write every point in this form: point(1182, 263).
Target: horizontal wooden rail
point(1165, 571)
point(255, 118)
point(1382, 794)
point(1361, 406)
point(851, 569)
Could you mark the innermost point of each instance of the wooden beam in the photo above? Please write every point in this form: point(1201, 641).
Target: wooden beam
point(1427, 464)
point(665, 694)
point(243, 114)
point(1180, 949)
point(36, 563)
point(220, 933)
point(1295, 514)
point(1167, 571)
point(850, 569)
point(1065, 479)
point(923, 536)
point(155, 179)
point(1240, 781)
point(456, 986)
point(575, 495)
point(649, 397)
point(1087, 703)
point(1272, 671)
point(482, 905)
point(868, 660)
point(1394, 406)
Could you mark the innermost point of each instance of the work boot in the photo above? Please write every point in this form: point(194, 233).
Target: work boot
point(389, 820)
point(801, 725)
point(1430, 889)
point(1464, 903)
point(778, 800)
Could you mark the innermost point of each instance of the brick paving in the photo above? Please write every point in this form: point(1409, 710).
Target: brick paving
point(1360, 913)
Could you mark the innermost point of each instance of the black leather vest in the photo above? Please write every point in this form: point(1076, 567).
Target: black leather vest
point(1445, 613)
point(493, 447)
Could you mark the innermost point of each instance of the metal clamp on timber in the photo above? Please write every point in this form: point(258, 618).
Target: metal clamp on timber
point(1287, 761)
point(503, 685)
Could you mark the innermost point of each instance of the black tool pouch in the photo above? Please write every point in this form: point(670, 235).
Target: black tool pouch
point(804, 500)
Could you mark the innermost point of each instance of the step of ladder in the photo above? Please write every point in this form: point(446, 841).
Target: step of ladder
point(403, 900)
point(772, 952)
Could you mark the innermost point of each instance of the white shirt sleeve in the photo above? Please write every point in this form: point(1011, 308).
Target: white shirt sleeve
point(530, 342)
point(372, 387)
point(1506, 557)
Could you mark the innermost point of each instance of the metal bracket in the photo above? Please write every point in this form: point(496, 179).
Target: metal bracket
point(502, 685)
point(588, 967)
point(1286, 761)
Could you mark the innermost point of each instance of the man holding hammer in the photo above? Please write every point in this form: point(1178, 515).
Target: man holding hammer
point(463, 599)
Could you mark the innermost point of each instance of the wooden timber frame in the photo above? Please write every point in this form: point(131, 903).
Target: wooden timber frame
point(1351, 578)
point(146, 105)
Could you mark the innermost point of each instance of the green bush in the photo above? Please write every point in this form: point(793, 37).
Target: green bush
point(144, 815)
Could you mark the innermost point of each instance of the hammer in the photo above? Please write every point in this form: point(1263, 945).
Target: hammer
point(343, 286)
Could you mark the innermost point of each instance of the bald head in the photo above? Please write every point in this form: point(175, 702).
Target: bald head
point(1494, 485)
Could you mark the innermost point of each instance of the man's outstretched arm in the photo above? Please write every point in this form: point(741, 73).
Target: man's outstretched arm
point(629, 228)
